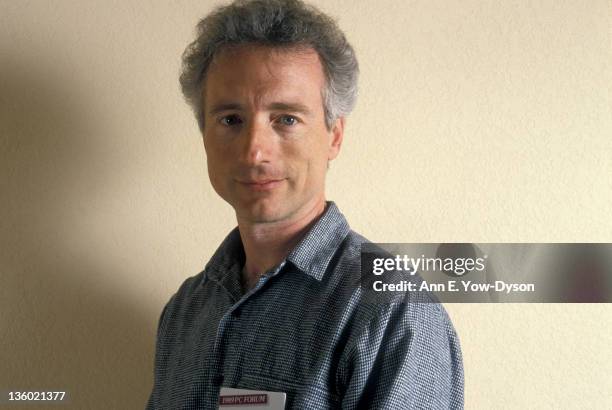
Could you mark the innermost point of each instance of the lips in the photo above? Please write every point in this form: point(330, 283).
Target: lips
point(261, 184)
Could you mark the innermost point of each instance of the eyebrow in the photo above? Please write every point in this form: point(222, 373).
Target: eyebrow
point(283, 106)
point(293, 107)
point(216, 109)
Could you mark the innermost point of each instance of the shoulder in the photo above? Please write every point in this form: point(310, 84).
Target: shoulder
point(400, 311)
point(183, 299)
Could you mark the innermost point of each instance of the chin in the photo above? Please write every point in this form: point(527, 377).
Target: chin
point(263, 211)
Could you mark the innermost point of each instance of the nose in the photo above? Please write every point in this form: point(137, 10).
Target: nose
point(258, 143)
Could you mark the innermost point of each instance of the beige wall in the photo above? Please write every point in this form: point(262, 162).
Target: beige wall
point(478, 121)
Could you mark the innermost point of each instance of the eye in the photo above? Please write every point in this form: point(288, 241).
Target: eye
point(288, 120)
point(230, 120)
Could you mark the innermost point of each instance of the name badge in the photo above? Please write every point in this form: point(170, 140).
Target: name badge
point(242, 399)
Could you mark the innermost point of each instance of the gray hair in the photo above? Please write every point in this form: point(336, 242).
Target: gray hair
point(275, 23)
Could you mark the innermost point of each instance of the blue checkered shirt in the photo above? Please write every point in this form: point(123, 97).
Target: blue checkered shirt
point(305, 329)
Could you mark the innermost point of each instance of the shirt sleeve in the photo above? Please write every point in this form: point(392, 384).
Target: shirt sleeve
point(151, 403)
point(407, 356)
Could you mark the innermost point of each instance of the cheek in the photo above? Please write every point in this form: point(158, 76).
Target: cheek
point(215, 163)
point(310, 170)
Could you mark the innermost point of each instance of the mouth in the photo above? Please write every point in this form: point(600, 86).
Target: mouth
point(261, 185)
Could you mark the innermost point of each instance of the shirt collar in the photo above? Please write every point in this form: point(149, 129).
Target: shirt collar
point(315, 250)
point(311, 256)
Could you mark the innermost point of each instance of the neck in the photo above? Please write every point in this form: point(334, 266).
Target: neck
point(267, 244)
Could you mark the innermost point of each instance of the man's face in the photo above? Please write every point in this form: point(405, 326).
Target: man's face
point(265, 137)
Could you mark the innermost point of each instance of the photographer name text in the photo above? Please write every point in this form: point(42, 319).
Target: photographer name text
point(453, 286)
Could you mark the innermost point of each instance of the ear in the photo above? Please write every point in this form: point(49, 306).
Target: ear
point(336, 136)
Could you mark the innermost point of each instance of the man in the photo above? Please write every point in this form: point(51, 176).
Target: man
point(279, 308)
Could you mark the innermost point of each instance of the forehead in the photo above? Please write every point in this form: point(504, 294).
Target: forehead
point(258, 72)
